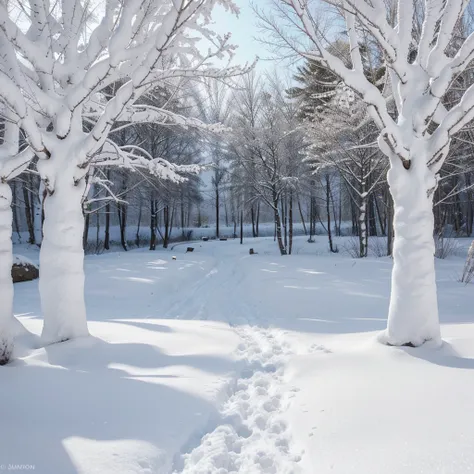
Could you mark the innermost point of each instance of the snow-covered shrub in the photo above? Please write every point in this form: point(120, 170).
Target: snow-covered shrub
point(352, 247)
point(445, 246)
point(378, 246)
point(468, 271)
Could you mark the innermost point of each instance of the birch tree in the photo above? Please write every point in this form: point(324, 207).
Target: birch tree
point(416, 138)
point(56, 60)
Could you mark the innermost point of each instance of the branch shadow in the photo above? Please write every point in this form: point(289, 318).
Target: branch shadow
point(76, 392)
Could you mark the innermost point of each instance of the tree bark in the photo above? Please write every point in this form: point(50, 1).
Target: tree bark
point(226, 211)
point(6, 283)
point(107, 227)
point(290, 224)
point(328, 211)
point(29, 214)
point(152, 224)
point(137, 235)
point(284, 216)
point(15, 211)
point(182, 216)
point(217, 213)
point(302, 217)
point(390, 225)
point(97, 230)
point(122, 216)
point(252, 215)
point(166, 222)
point(85, 234)
point(278, 235)
point(241, 226)
point(363, 226)
point(257, 220)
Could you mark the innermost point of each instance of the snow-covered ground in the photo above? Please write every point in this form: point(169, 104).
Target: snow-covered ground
point(224, 362)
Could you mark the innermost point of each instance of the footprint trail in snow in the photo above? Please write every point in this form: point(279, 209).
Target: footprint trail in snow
point(251, 437)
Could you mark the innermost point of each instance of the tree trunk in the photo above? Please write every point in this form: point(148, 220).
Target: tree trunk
point(301, 216)
point(339, 217)
point(107, 227)
point(278, 232)
point(173, 209)
point(290, 224)
point(122, 225)
point(241, 226)
point(15, 211)
point(413, 312)
point(217, 213)
point(363, 226)
point(469, 209)
point(257, 220)
point(122, 211)
point(61, 285)
point(371, 216)
point(284, 217)
point(85, 234)
point(355, 225)
point(97, 230)
point(152, 224)
point(43, 197)
point(389, 225)
point(122, 215)
point(331, 196)
point(226, 211)
point(137, 235)
point(383, 229)
point(182, 216)
point(328, 211)
point(252, 214)
point(6, 283)
point(278, 235)
point(29, 214)
point(166, 222)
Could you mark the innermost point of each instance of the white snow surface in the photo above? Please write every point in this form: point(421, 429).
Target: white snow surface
point(223, 362)
point(22, 261)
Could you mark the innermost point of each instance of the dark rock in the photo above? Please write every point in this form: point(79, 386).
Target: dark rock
point(24, 270)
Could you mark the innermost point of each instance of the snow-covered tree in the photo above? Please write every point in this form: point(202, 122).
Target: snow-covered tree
point(342, 140)
point(215, 107)
point(266, 145)
point(420, 70)
point(12, 163)
point(56, 61)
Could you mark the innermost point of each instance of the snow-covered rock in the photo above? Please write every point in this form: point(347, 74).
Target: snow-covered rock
point(23, 269)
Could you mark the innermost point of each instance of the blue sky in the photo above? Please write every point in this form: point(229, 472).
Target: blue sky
point(244, 29)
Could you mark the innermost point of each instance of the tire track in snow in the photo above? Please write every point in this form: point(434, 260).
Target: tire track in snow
point(251, 437)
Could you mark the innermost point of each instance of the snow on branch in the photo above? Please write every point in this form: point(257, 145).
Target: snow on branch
point(134, 157)
point(58, 60)
point(421, 69)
